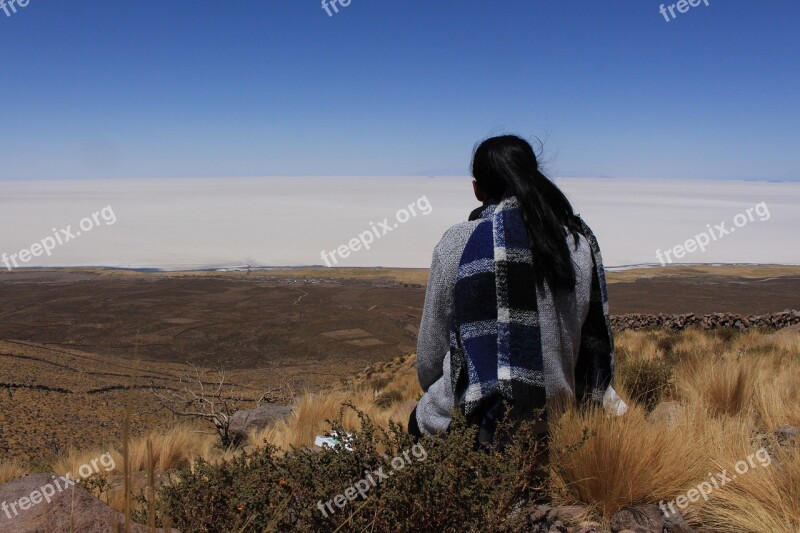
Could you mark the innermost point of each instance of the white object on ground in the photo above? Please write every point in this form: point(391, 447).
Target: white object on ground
point(332, 440)
point(613, 404)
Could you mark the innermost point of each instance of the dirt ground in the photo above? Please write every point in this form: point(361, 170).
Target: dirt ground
point(69, 338)
point(314, 318)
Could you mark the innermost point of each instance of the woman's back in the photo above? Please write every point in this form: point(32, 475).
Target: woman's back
point(516, 310)
point(561, 319)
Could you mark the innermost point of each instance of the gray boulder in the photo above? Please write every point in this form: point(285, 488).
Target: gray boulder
point(648, 518)
point(242, 422)
point(787, 434)
point(665, 413)
point(639, 519)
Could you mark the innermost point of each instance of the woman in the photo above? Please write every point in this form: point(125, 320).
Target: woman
point(516, 312)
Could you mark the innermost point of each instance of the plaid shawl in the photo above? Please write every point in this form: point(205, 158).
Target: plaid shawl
point(495, 338)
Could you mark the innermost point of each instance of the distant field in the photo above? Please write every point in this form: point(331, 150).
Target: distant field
point(420, 275)
point(69, 338)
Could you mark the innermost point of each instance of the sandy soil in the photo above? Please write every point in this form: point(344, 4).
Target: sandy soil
point(69, 338)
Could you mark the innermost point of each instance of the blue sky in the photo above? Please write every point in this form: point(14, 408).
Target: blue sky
point(122, 89)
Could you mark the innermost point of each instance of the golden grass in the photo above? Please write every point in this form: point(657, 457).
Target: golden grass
point(383, 396)
point(181, 445)
point(625, 460)
point(724, 386)
point(734, 390)
point(11, 470)
point(766, 498)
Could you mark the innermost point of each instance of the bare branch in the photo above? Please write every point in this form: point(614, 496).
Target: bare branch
point(193, 400)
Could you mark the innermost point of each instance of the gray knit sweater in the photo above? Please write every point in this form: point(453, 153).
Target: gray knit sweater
point(560, 318)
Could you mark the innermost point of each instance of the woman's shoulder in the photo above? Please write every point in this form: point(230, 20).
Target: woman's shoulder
point(455, 238)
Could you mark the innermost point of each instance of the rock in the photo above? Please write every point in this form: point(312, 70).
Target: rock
point(242, 422)
point(590, 526)
point(540, 512)
point(665, 413)
point(570, 514)
point(790, 331)
point(69, 509)
point(516, 510)
point(676, 524)
point(639, 519)
point(786, 320)
point(787, 434)
point(564, 519)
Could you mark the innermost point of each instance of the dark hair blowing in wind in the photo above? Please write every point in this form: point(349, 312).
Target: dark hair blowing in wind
point(507, 165)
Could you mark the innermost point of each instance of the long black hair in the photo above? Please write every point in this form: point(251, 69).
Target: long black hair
point(507, 165)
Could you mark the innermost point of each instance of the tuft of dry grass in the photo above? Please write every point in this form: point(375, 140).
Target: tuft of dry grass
point(733, 390)
point(625, 460)
point(724, 385)
point(11, 470)
point(386, 395)
point(181, 445)
point(766, 498)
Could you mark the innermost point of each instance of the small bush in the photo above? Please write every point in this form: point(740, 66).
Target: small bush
point(388, 398)
point(11, 470)
point(455, 487)
point(381, 383)
point(644, 380)
point(667, 343)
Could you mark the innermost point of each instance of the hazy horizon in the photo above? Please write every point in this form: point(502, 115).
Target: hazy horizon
point(184, 223)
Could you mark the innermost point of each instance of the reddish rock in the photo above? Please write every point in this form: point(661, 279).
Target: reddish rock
point(784, 319)
point(665, 413)
point(70, 509)
point(639, 519)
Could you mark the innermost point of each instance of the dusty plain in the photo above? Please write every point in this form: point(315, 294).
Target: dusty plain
point(77, 344)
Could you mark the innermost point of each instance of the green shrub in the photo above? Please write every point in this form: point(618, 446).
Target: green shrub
point(645, 381)
point(388, 398)
point(380, 383)
point(456, 487)
point(667, 343)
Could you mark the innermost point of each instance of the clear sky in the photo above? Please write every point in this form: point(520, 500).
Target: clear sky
point(173, 88)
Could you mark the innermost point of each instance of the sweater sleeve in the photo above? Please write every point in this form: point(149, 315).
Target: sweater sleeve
point(433, 342)
point(594, 370)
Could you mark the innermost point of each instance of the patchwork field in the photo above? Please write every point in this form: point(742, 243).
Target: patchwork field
point(70, 339)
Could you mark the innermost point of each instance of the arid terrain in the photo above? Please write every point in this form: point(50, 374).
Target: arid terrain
point(70, 340)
